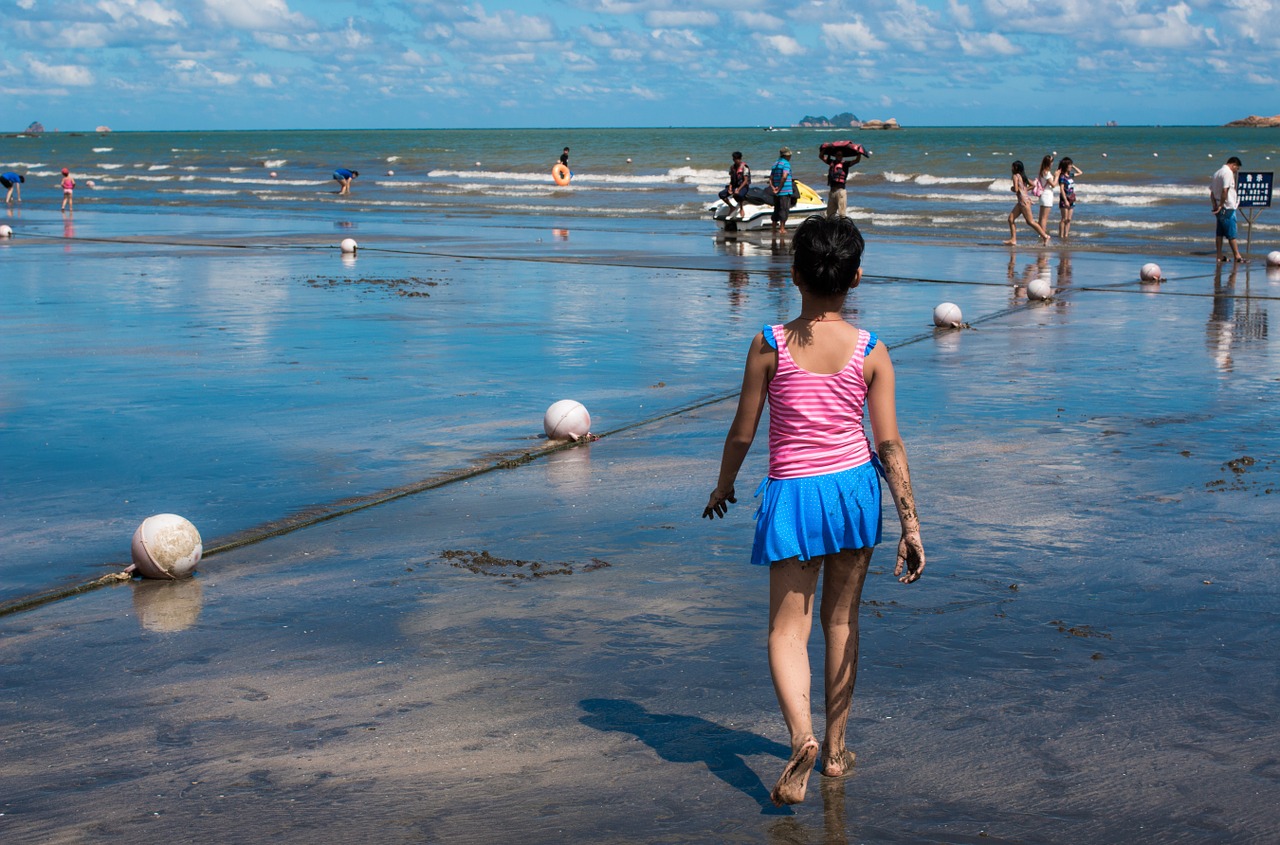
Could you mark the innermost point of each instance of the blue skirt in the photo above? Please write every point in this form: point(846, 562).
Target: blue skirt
point(818, 515)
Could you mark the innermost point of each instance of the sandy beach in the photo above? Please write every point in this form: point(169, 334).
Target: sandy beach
point(556, 648)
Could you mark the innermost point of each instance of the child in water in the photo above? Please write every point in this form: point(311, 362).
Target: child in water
point(820, 513)
point(68, 188)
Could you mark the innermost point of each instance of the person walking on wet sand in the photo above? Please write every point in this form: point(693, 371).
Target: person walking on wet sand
point(1022, 206)
point(820, 511)
point(1225, 201)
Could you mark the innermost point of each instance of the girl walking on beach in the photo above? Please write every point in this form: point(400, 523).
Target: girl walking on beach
point(68, 188)
point(1046, 181)
point(1022, 207)
point(820, 512)
point(1067, 173)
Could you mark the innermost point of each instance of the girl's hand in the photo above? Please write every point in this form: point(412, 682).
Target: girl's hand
point(719, 503)
point(910, 557)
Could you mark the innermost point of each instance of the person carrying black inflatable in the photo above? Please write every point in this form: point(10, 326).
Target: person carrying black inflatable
point(739, 182)
point(837, 175)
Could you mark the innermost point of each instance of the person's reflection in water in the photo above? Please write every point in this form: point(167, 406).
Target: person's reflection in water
point(1064, 270)
point(1039, 267)
point(739, 281)
point(1220, 329)
point(793, 831)
point(689, 739)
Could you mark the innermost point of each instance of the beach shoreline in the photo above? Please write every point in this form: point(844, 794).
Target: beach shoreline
point(1086, 658)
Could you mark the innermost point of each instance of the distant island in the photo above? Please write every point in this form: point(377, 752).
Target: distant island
point(1255, 120)
point(837, 121)
point(846, 119)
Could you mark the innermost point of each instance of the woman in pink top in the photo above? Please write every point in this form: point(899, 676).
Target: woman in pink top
point(820, 511)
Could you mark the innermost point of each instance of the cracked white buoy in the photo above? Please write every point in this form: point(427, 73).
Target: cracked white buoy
point(166, 546)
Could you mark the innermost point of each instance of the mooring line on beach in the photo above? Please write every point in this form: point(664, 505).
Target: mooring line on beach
point(317, 514)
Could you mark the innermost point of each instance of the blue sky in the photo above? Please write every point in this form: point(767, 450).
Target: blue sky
point(267, 64)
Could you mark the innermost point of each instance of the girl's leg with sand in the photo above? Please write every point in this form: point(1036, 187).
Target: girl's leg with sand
point(843, 576)
point(792, 584)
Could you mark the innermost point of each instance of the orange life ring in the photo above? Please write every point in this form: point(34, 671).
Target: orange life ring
point(560, 173)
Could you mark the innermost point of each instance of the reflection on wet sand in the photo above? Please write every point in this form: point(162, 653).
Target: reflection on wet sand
point(1231, 321)
point(166, 607)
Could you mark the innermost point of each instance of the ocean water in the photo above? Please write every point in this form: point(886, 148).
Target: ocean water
point(1143, 188)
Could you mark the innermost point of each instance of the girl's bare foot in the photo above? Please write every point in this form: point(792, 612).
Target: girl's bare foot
point(838, 765)
point(1009, 243)
point(795, 777)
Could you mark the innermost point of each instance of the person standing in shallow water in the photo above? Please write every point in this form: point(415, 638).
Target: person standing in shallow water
point(1022, 206)
point(1225, 200)
point(820, 511)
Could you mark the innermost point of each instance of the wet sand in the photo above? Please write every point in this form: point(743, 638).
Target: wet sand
point(1089, 657)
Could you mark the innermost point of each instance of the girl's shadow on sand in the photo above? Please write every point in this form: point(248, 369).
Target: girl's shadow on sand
point(689, 739)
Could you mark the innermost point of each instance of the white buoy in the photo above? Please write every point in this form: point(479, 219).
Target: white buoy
point(1039, 288)
point(349, 245)
point(391, 173)
point(166, 546)
point(566, 420)
point(274, 174)
point(1273, 258)
point(90, 183)
point(477, 164)
point(1151, 272)
point(628, 161)
point(947, 315)
point(6, 231)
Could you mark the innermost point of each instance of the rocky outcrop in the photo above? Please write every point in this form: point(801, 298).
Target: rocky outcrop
point(1255, 120)
point(35, 128)
point(891, 123)
point(843, 120)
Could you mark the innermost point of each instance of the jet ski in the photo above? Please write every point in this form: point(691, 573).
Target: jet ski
point(757, 210)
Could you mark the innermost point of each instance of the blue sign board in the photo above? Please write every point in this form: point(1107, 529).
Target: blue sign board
point(1254, 189)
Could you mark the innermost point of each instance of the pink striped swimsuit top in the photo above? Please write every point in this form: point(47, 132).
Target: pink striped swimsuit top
point(815, 419)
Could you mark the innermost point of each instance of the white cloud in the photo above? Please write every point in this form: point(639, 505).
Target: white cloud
point(662, 18)
point(27, 4)
point(262, 80)
point(961, 14)
point(764, 94)
point(505, 25)
point(986, 44)
point(1170, 29)
point(784, 44)
point(760, 21)
point(911, 24)
point(73, 75)
point(598, 37)
point(855, 37)
point(256, 15)
point(145, 10)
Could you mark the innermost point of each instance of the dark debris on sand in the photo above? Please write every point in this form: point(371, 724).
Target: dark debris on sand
point(483, 563)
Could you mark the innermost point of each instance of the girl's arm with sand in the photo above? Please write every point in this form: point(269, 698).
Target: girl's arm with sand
point(762, 361)
point(882, 406)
